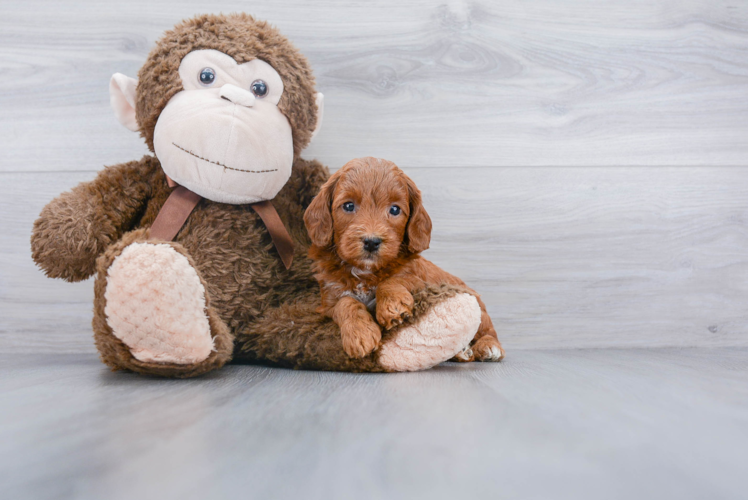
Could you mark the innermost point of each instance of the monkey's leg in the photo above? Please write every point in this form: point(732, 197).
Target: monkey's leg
point(444, 321)
point(152, 312)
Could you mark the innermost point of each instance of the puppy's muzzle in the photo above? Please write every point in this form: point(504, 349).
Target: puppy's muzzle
point(371, 245)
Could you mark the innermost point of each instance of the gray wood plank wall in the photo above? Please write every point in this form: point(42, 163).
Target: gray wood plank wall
point(584, 162)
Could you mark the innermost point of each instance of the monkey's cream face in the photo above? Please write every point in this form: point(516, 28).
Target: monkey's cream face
point(223, 136)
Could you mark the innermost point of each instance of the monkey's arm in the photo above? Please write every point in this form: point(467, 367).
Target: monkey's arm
point(422, 271)
point(437, 275)
point(442, 323)
point(77, 226)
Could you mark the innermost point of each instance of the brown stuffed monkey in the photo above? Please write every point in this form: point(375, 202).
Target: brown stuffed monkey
point(227, 104)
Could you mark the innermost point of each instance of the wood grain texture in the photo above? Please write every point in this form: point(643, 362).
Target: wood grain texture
point(613, 424)
point(37, 313)
point(645, 249)
point(564, 257)
point(576, 83)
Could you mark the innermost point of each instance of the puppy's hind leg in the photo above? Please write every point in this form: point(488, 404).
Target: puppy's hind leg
point(486, 345)
point(464, 356)
point(487, 348)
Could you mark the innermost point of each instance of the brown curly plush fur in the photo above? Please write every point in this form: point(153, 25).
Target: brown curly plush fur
point(257, 309)
point(315, 343)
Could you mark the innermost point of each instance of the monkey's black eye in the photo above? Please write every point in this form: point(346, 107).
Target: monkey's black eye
point(394, 210)
point(259, 88)
point(348, 206)
point(207, 76)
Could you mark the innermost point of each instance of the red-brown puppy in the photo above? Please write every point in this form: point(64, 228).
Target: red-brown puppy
point(368, 227)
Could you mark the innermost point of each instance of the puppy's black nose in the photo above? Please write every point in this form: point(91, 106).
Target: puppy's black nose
point(372, 244)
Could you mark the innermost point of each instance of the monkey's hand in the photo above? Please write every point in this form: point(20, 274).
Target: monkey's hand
point(394, 305)
point(77, 226)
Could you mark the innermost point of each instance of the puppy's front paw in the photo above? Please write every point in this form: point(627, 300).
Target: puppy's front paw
point(392, 310)
point(360, 337)
point(487, 349)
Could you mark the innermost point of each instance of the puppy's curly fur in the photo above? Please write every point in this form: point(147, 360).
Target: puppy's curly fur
point(368, 227)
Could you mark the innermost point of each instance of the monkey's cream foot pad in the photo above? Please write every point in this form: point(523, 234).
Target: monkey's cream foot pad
point(155, 304)
point(437, 336)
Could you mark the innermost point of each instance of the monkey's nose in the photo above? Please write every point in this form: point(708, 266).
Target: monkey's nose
point(372, 244)
point(237, 95)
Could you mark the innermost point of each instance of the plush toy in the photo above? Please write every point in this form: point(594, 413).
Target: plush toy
point(200, 252)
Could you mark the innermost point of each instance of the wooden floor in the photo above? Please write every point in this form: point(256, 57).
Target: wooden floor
point(585, 164)
point(596, 423)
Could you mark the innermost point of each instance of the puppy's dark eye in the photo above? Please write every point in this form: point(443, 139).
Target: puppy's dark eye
point(395, 210)
point(348, 206)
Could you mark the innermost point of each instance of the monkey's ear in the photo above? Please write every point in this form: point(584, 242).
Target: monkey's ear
point(122, 97)
point(320, 101)
point(318, 216)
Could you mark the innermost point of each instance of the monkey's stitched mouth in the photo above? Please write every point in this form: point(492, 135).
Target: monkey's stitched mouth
point(221, 164)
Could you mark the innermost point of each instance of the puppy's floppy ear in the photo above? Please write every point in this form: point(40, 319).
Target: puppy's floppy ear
point(418, 230)
point(318, 216)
